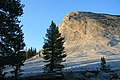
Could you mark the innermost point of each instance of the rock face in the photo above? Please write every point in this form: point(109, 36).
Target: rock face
point(91, 34)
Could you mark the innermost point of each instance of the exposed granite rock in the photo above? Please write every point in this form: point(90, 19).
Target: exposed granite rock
point(91, 34)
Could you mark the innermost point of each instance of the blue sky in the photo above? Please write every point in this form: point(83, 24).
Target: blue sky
point(38, 15)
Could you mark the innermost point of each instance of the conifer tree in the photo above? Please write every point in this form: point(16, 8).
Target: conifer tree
point(11, 35)
point(31, 52)
point(104, 67)
point(53, 49)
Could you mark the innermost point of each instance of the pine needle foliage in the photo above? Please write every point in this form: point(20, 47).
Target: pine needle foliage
point(53, 49)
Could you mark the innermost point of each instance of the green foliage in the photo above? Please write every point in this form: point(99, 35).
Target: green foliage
point(53, 49)
point(31, 52)
point(17, 61)
point(11, 35)
point(104, 67)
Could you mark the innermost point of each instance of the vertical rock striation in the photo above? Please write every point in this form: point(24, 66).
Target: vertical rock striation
point(91, 34)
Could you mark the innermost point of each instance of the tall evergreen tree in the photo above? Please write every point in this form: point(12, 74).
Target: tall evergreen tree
point(53, 49)
point(11, 36)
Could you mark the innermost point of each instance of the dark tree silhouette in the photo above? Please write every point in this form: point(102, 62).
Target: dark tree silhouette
point(53, 49)
point(31, 52)
point(104, 67)
point(11, 36)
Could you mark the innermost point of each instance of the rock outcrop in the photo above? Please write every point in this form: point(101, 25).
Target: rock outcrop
point(91, 34)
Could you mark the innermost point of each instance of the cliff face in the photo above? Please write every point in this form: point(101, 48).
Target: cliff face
point(91, 34)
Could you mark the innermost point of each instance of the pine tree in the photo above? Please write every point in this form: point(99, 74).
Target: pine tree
point(11, 36)
point(3, 30)
point(104, 67)
point(31, 52)
point(16, 57)
point(53, 49)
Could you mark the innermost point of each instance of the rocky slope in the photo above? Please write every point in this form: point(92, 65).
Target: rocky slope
point(88, 37)
point(90, 34)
